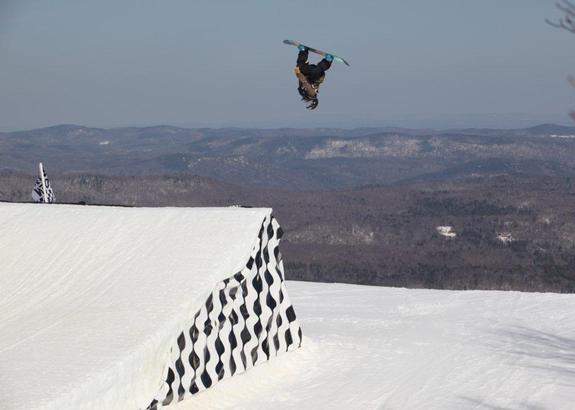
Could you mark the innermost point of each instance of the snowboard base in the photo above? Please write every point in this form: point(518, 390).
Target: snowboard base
point(316, 51)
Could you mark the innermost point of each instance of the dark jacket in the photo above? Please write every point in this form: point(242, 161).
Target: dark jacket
point(310, 76)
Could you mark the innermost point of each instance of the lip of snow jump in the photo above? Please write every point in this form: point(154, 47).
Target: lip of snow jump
point(105, 300)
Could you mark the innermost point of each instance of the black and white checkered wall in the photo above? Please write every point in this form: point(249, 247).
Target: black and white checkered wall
point(246, 320)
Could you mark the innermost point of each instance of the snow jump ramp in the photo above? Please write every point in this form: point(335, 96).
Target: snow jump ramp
point(135, 308)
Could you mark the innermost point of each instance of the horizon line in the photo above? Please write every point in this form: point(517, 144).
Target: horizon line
point(237, 127)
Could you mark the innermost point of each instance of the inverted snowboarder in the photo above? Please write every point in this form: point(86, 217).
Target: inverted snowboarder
point(310, 76)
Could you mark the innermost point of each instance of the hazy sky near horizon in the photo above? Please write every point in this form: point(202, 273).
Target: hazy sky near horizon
point(442, 63)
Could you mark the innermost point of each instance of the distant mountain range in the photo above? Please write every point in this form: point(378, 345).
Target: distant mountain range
point(294, 159)
point(457, 209)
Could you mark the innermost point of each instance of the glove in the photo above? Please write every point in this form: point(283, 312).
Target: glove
point(302, 47)
point(329, 57)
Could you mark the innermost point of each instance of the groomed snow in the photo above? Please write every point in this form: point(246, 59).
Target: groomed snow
point(93, 297)
point(385, 348)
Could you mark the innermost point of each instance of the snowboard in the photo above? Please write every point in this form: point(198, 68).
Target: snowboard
point(313, 50)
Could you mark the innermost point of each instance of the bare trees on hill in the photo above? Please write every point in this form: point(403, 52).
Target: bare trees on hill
point(567, 22)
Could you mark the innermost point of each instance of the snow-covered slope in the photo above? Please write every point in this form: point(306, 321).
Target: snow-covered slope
point(384, 348)
point(93, 298)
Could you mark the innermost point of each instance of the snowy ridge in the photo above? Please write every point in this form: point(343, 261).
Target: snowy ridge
point(93, 297)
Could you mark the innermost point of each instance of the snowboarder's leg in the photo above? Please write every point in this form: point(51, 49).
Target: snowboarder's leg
point(302, 57)
point(324, 65)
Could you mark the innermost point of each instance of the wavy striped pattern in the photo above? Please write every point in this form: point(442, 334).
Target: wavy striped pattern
point(247, 319)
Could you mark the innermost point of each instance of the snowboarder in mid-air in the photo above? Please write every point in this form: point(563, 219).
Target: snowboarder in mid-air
point(310, 76)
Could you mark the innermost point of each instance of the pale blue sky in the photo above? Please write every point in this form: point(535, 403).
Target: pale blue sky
point(438, 63)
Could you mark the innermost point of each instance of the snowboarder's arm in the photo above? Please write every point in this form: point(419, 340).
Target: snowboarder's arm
point(310, 90)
